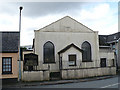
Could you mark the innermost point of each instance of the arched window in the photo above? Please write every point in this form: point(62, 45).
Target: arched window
point(86, 55)
point(49, 55)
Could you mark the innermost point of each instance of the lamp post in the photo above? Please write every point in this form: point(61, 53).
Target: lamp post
point(19, 45)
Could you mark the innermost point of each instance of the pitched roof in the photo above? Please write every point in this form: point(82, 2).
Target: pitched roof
point(113, 37)
point(69, 46)
point(104, 40)
point(10, 41)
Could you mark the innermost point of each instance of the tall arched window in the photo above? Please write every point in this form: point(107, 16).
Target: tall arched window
point(86, 55)
point(49, 54)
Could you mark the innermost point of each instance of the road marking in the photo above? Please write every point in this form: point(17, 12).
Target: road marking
point(110, 85)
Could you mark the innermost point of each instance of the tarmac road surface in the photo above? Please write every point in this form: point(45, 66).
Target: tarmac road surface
point(105, 83)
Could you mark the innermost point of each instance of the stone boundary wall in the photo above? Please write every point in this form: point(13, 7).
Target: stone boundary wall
point(35, 76)
point(68, 73)
point(83, 73)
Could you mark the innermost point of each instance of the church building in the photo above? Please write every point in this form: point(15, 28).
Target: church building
point(67, 49)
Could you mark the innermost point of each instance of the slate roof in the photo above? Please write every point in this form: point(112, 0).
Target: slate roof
point(10, 42)
point(69, 46)
point(113, 37)
point(104, 40)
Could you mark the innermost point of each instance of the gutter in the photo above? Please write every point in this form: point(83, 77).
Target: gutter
point(104, 46)
point(113, 41)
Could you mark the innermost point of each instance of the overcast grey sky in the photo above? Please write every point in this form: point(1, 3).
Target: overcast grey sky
point(99, 16)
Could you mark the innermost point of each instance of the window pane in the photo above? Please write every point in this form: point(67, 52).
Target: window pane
point(4, 61)
point(6, 65)
point(7, 69)
point(7, 59)
point(3, 69)
point(7, 62)
point(49, 52)
point(72, 60)
point(86, 55)
point(103, 62)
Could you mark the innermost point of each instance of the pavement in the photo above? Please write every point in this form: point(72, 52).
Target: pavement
point(25, 84)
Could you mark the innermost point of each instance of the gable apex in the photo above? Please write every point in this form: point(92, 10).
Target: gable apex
point(66, 24)
point(68, 47)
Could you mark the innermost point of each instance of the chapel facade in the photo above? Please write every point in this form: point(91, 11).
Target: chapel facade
point(67, 49)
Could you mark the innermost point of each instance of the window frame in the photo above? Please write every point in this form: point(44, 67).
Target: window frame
point(84, 51)
point(49, 62)
point(7, 72)
point(101, 62)
point(73, 60)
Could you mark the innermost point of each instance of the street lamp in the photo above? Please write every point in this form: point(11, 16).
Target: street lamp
point(19, 44)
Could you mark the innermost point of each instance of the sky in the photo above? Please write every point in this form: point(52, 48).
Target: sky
point(98, 16)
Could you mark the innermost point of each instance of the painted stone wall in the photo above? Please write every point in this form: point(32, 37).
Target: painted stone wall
point(69, 73)
point(109, 55)
point(63, 33)
point(65, 60)
point(15, 58)
point(60, 41)
point(90, 72)
point(35, 76)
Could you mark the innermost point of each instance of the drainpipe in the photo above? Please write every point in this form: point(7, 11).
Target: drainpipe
point(118, 54)
point(60, 65)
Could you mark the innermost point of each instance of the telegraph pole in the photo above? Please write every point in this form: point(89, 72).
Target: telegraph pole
point(19, 45)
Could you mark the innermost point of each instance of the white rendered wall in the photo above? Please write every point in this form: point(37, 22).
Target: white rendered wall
point(109, 55)
point(63, 39)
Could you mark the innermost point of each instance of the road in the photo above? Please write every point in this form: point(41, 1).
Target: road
point(106, 83)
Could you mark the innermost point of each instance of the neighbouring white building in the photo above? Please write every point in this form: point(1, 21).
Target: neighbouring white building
point(67, 49)
point(112, 41)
